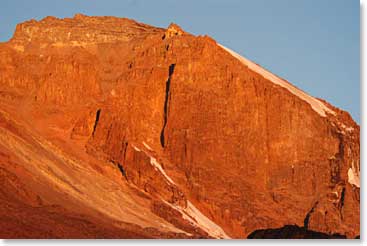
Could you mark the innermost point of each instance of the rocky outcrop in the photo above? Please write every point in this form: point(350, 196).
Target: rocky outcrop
point(80, 30)
point(173, 30)
point(227, 146)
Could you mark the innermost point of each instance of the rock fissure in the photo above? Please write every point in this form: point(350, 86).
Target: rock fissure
point(341, 203)
point(166, 103)
point(120, 167)
point(122, 170)
point(98, 113)
point(308, 215)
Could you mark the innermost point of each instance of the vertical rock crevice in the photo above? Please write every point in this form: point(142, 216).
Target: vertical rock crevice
point(98, 113)
point(308, 215)
point(341, 203)
point(120, 168)
point(166, 103)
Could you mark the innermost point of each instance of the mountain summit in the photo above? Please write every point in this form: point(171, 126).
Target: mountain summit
point(110, 128)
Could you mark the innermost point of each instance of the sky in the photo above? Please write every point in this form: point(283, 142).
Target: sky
point(314, 44)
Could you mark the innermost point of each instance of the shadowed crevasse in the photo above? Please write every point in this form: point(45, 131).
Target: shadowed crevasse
point(166, 102)
point(98, 113)
point(307, 218)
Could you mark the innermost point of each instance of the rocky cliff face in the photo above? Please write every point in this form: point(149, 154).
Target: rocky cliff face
point(217, 146)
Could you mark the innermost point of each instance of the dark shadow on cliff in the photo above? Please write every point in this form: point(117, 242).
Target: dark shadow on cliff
point(292, 232)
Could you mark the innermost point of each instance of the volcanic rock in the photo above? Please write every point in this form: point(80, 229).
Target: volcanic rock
point(138, 131)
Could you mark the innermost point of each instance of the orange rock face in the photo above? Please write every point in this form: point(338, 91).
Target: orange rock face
point(177, 135)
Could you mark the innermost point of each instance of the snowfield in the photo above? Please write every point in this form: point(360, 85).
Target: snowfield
point(196, 218)
point(158, 166)
point(317, 105)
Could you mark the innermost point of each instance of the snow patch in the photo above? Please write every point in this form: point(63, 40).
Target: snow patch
point(147, 146)
point(190, 213)
point(317, 105)
point(158, 166)
point(155, 163)
point(353, 176)
point(196, 218)
point(136, 148)
point(204, 222)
